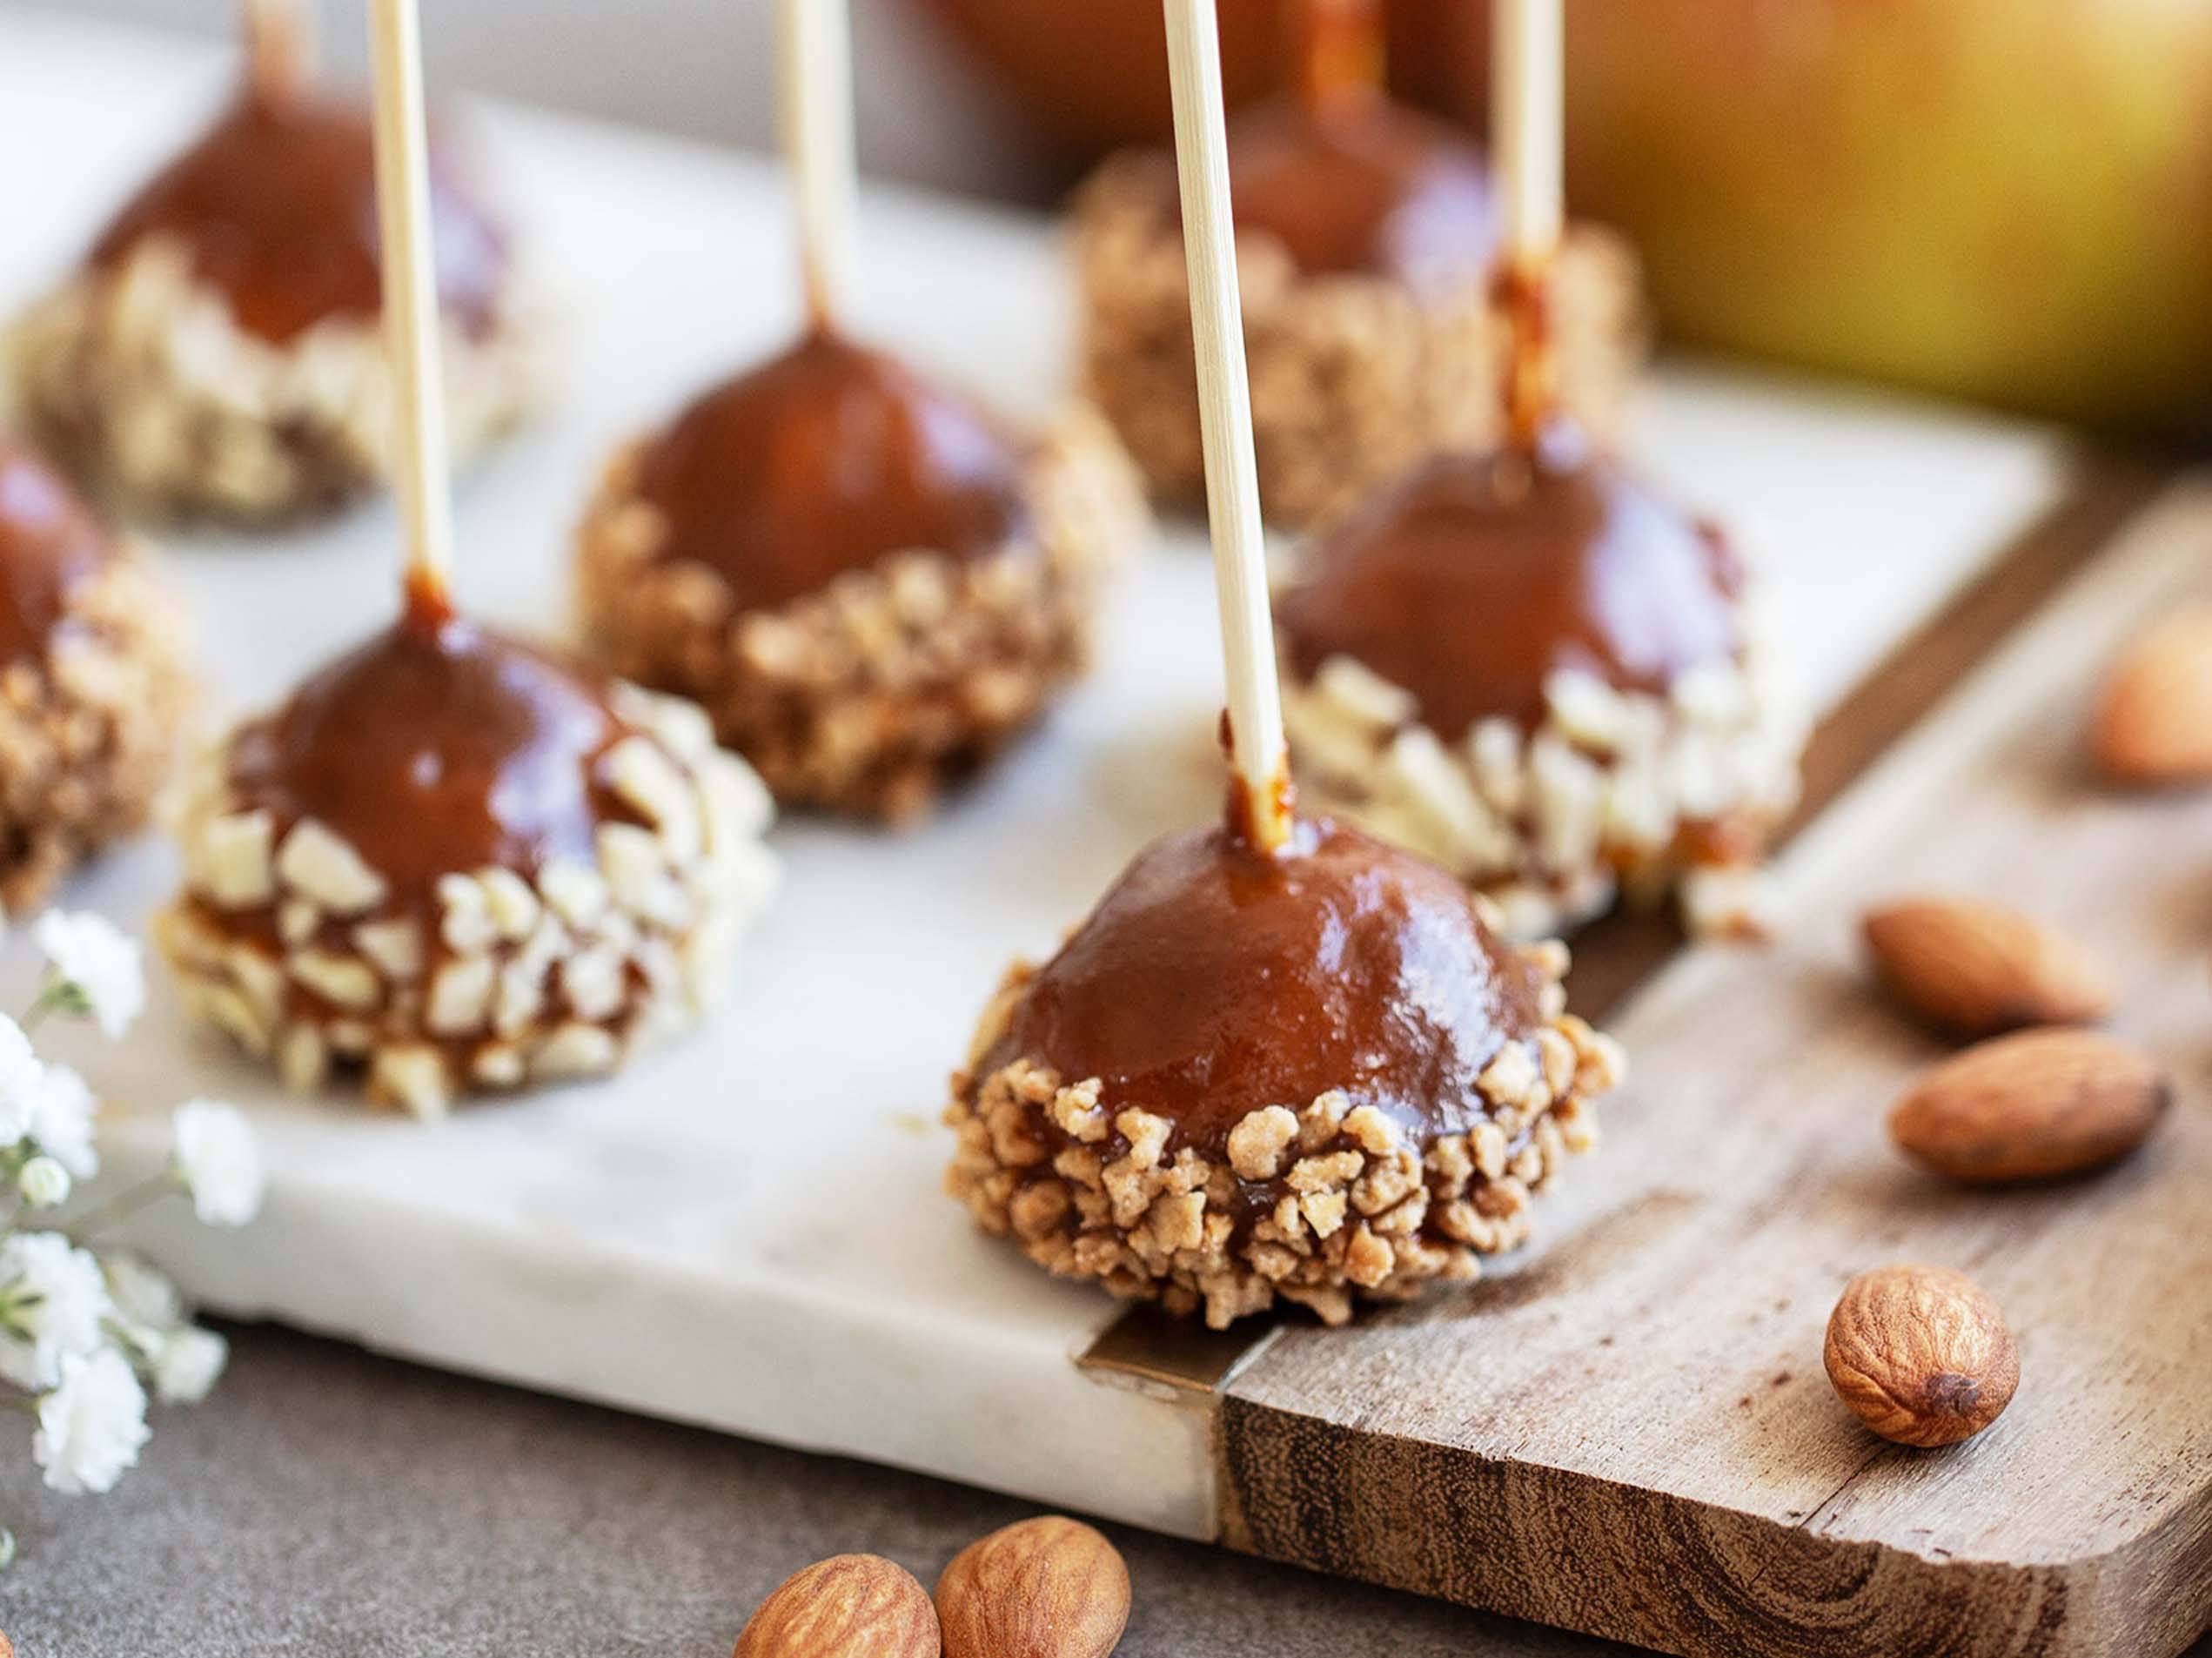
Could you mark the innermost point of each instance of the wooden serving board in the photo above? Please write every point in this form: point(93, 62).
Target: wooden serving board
point(1630, 1434)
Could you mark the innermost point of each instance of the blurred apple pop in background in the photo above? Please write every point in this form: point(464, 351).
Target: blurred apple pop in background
point(2003, 200)
point(2008, 201)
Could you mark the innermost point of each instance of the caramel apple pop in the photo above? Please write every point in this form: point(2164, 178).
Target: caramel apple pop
point(451, 861)
point(94, 689)
point(869, 583)
point(1367, 232)
point(1525, 663)
point(216, 352)
point(1280, 1058)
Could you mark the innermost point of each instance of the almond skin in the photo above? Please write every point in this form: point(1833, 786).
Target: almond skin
point(849, 1606)
point(2154, 720)
point(2031, 1106)
point(1977, 968)
point(1920, 1355)
point(1050, 1588)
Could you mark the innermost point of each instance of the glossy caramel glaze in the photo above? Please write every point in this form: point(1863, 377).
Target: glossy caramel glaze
point(1213, 981)
point(436, 748)
point(50, 540)
point(1254, 815)
point(277, 204)
point(825, 459)
point(1474, 578)
point(1365, 185)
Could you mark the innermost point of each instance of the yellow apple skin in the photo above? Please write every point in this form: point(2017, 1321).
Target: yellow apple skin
point(2006, 200)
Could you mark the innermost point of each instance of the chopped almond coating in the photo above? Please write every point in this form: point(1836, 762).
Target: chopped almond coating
point(1255, 1145)
point(90, 728)
point(1354, 377)
point(1613, 790)
point(871, 696)
point(300, 950)
point(140, 379)
point(1321, 1205)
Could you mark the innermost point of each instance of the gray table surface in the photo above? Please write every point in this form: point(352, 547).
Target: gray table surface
point(328, 1502)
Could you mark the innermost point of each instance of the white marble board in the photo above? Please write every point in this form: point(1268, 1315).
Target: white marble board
point(746, 1230)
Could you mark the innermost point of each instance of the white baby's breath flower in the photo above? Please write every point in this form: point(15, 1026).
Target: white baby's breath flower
point(20, 1076)
point(44, 1182)
point(219, 1161)
point(52, 1298)
point(98, 966)
point(91, 1425)
point(61, 1120)
point(187, 1364)
point(141, 1292)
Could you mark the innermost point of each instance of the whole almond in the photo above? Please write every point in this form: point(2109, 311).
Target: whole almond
point(2032, 1105)
point(850, 1606)
point(1050, 1588)
point(2154, 720)
point(1978, 968)
point(1920, 1355)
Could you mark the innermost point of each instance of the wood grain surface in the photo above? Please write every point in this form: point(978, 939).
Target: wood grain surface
point(1628, 1432)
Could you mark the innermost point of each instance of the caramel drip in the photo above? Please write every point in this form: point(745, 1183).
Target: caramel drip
point(276, 206)
point(1532, 379)
point(437, 748)
point(827, 458)
point(1273, 802)
point(427, 602)
point(50, 541)
point(1213, 981)
point(1473, 580)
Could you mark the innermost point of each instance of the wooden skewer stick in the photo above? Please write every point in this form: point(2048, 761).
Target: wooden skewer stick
point(1528, 121)
point(1528, 94)
point(1260, 793)
point(814, 95)
point(411, 306)
point(279, 44)
point(1335, 53)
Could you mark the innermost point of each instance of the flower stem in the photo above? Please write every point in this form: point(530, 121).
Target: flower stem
point(49, 998)
point(121, 1207)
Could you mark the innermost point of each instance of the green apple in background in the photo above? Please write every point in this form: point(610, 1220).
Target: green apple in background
point(2006, 200)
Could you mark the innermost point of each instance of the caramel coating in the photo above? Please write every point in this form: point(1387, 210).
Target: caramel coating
point(276, 204)
point(1313, 1077)
point(437, 747)
point(1371, 186)
point(825, 459)
point(1213, 981)
point(1476, 577)
point(50, 542)
point(94, 687)
point(454, 865)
